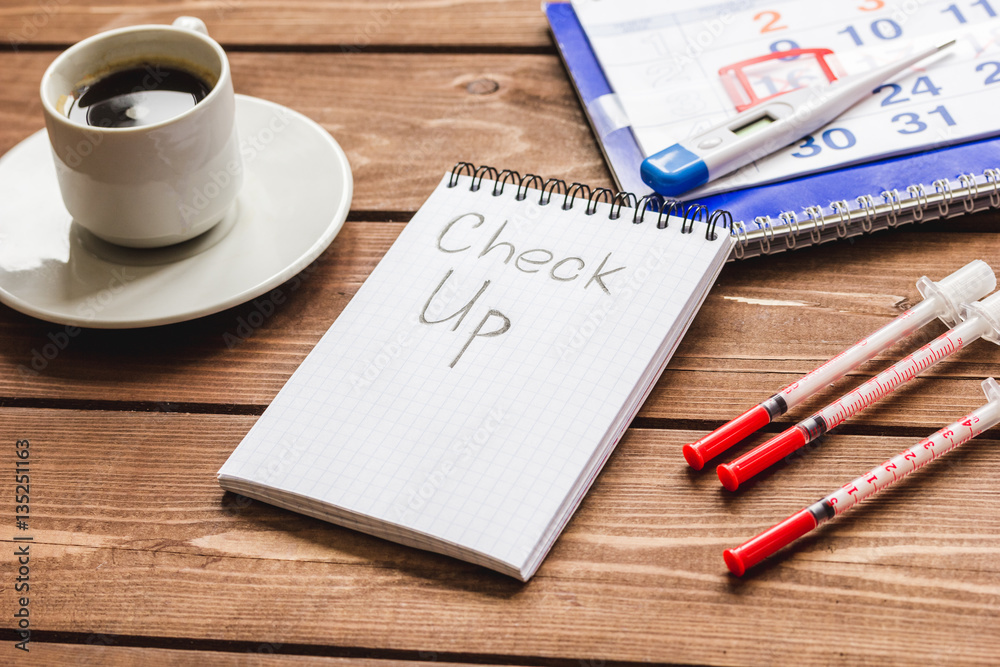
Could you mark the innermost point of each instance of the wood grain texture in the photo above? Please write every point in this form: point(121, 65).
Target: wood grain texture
point(764, 324)
point(350, 25)
point(403, 120)
point(139, 553)
point(102, 650)
point(133, 537)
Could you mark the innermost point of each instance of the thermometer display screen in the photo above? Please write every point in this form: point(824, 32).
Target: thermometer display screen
point(753, 126)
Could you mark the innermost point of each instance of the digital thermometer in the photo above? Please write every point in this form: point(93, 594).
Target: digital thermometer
point(764, 129)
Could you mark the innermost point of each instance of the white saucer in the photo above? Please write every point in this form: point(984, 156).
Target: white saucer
point(296, 194)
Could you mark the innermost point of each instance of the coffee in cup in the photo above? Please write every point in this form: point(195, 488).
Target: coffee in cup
point(143, 131)
point(136, 96)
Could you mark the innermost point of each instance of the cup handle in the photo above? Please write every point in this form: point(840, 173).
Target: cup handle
point(191, 23)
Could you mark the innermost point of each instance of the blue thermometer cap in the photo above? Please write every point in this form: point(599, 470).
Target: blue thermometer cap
point(673, 171)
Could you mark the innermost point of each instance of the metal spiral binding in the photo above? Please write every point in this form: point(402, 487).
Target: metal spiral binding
point(943, 187)
point(792, 222)
point(505, 175)
point(815, 214)
point(645, 203)
point(968, 182)
point(842, 209)
point(992, 176)
point(571, 195)
point(524, 185)
point(943, 198)
point(740, 231)
point(595, 197)
point(891, 197)
point(841, 219)
point(719, 214)
point(867, 204)
point(621, 199)
point(591, 197)
point(549, 187)
point(482, 172)
point(918, 192)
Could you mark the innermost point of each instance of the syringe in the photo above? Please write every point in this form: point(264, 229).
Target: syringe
point(982, 320)
point(751, 552)
point(941, 299)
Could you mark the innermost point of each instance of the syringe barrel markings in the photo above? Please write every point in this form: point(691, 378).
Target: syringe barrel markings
point(914, 458)
point(900, 373)
point(762, 457)
point(862, 351)
point(729, 434)
point(771, 540)
point(942, 299)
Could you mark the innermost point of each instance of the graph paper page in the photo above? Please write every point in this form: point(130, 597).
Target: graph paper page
point(464, 389)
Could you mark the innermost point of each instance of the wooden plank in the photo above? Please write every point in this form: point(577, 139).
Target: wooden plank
point(343, 24)
point(400, 118)
point(104, 650)
point(765, 323)
point(133, 537)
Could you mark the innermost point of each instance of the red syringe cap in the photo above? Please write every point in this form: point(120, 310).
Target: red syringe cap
point(692, 454)
point(724, 437)
point(754, 550)
point(761, 457)
point(728, 475)
point(734, 561)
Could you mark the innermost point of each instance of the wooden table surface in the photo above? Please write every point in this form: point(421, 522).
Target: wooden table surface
point(139, 556)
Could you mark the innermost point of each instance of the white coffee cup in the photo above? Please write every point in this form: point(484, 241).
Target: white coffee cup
point(153, 185)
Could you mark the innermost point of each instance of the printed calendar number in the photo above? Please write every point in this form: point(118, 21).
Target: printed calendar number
point(992, 77)
point(960, 17)
point(657, 43)
point(983, 42)
point(912, 123)
point(784, 45)
point(663, 73)
point(923, 85)
point(836, 138)
point(882, 28)
point(797, 78)
point(771, 20)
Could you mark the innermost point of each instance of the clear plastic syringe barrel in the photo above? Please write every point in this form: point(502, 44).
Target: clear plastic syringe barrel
point(862, 351)
point(942, 299)
point(781, 535)
point(918, 455)
point(983, 320)
point(899, 373)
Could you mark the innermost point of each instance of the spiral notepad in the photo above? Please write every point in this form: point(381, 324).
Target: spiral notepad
point(468, 395)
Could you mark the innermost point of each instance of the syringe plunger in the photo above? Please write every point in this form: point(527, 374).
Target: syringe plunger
point(969, 283)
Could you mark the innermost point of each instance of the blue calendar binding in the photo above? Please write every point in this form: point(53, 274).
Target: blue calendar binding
point(607, 118)
point(940, 183)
